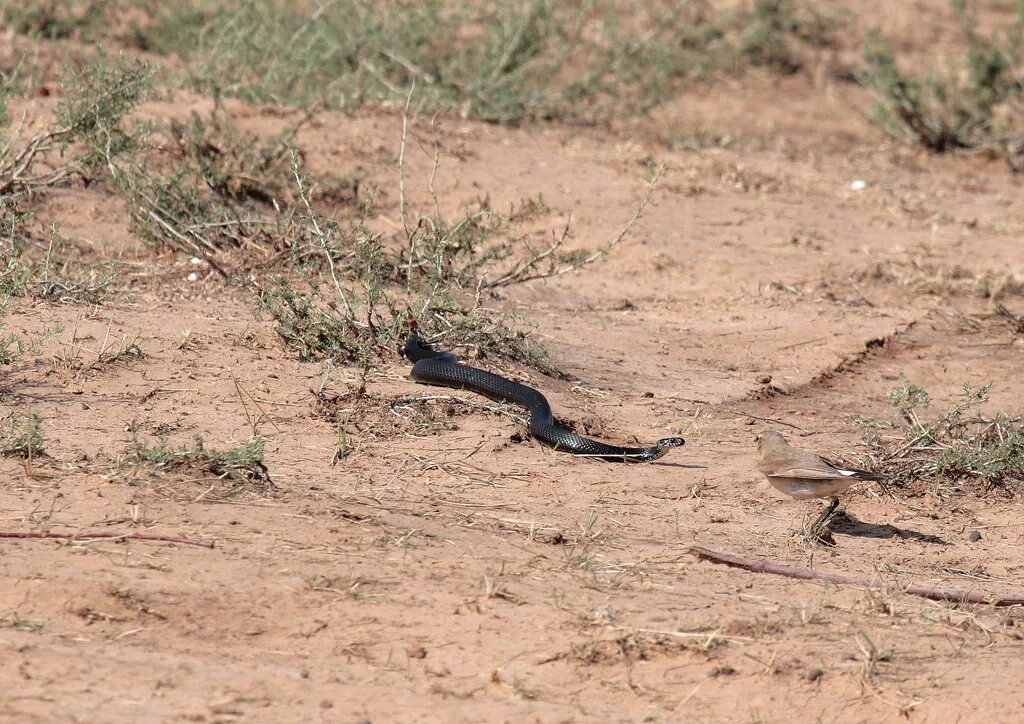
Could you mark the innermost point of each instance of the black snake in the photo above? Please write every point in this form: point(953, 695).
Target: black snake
point(443, 369)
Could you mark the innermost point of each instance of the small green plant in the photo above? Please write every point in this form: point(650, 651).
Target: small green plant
point(14, 346)
point(317, 327)
point(958, 111)
point(21, 435)
point(89, 139)
point(59, 279)
point(995, 453)
point(7, 91)
point(94, 102)
point(907, 398)
point(215, 190)
point(13, 274)
point(242, 466)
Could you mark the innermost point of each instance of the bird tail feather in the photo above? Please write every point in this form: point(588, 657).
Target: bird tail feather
point(855, 472)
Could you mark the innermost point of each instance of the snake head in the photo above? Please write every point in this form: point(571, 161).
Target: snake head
point(664, 445)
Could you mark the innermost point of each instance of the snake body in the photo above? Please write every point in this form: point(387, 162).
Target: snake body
point(444, 369)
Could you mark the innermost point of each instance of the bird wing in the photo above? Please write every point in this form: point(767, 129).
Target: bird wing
point(803, 464)
point(807, 473)
point(853, 472)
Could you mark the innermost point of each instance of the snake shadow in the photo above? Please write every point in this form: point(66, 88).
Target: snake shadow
point(847, 524)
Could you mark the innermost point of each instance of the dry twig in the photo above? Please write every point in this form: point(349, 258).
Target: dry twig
point(76, 537)
point(758, 565)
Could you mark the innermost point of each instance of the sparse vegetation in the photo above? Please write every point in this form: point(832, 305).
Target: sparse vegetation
point(11, 619)
point(213, 189)
point(583, 551)
point(54, 277)
point(419, 527)
point(87, 141)
point(109, 353)
point(978, 106)
point(366, 289)
point(775, 33)
point(503, 62)
point(242, 467)
point(56, 20)
point(941, 280)
point(956, 447)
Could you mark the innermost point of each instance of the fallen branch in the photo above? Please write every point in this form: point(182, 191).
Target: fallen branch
point(757, 565)
point(105, 536)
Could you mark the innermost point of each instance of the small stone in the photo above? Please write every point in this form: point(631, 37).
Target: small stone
point(764, 379)
point(814, 673)
point(974, 536)
point(859, 184)
point(648, 394)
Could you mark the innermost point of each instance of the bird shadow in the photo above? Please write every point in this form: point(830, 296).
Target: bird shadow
point(847, 524)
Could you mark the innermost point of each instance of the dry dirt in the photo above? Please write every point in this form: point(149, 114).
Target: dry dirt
point(459, 575)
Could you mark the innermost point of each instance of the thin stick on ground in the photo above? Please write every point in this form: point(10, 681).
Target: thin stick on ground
point(106, 536)
point(401, 181)
point(322, 236)
point(434, 167)
point(16, 173)
point(758, 565)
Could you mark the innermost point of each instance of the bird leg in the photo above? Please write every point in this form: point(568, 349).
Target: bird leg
point(818, 531)
point(827, 512)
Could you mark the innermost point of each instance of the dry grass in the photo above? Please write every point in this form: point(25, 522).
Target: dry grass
point(939, 280)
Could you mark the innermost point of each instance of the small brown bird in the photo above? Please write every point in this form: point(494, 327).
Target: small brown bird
point(804, 475)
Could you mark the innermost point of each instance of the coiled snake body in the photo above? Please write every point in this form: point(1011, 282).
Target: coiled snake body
point(443, 369)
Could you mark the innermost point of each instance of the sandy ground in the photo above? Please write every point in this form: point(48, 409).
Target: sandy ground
point(445, 571)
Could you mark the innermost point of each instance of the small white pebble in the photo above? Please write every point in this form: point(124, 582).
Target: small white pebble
point(196, 261)
point(859, 185)
point(193, 276)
